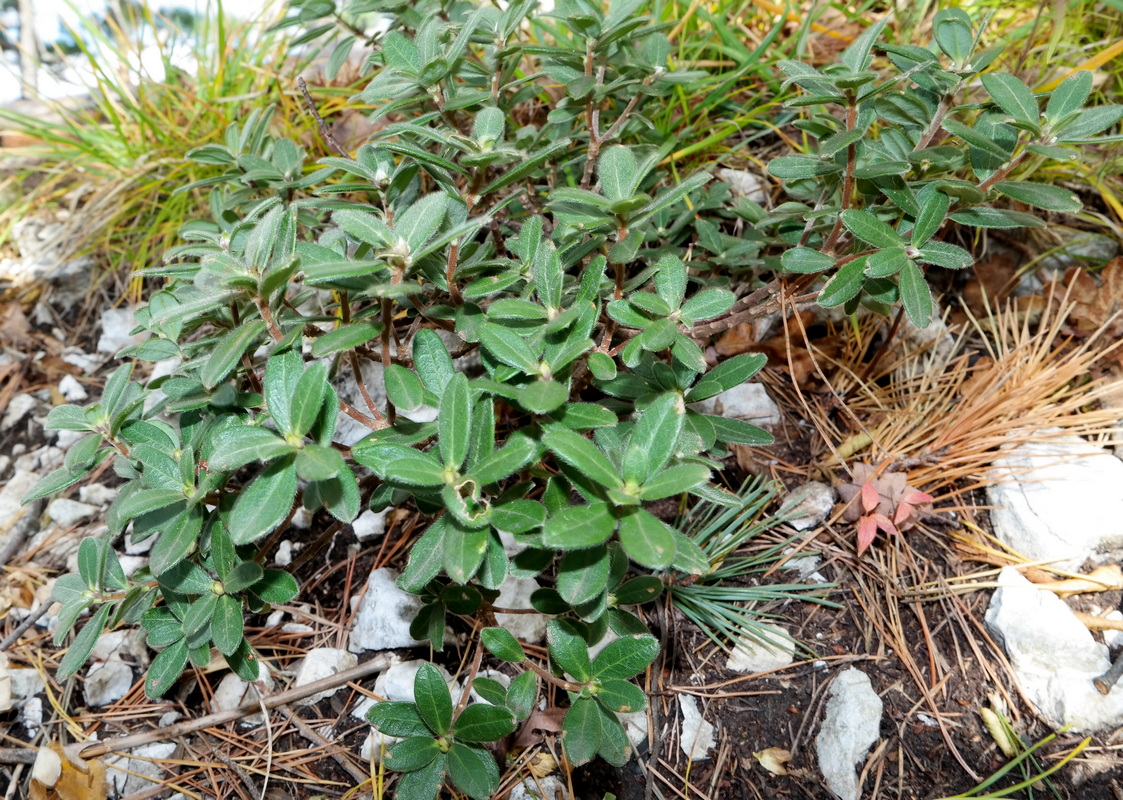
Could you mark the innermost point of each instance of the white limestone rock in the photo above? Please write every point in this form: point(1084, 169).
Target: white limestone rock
point(515, 593)
point(67, 512)
point(808, 505)
point(384, 616)
point(97, 494)
point(143, 768)
point(115, 326)
point(18, 407)
point(775, 651)
point(107, 682)
point(1053, 655)
point(320, 663)
point(696, 737)
point(1059, 500)
point(369, 524)
point(749, 401)
point(549, 788)
point(233, 692)
point(851, 726)
point(72, 390)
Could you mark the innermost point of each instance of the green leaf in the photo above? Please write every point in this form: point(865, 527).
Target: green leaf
point(946, 255)
point(480, 722)
point(736, 431)
point(508, 347)
point(869, 229)
point(845, 285)
point(625, 657)
point(1088, 122)
point(639, 590)
point(243, 576)
point(707, 305)
point(432, 361)
point(800, 167)
point(177, 540)
point(981, 217)
point(264, 504)
point(729, 373)
point(976, 139)
point(84, 643)
point(542, 397)
point(463, 552)
point(234, 446)
point(569, 650)
point(518, 516)
point(646, 539)
point(501, 644)
point(1041, 195)
point(434, 702)
point(426, 557)
point(518, 452)
point(404, 388)
point(915, 295)
point(346, 337)
point(621, 697)
point(67, 418)
point(473, 770)
point(653, 438)
point(601, 365)
point(933, 210)
point(424, 783)
point(886, 262)
point(581, 454)
point(276, 586)
point(227, 625)
point(316, 463)
point(582, 731)
point(1069, 97)
point(454, 424)
point(200, 614)
point(412, 754)
point(400, 465)
point(398, 719)
point(673, 481)
point(954, 36)
point(806, 261)
point(282, 373)
point(490, 690)
point(1012, 96)
point(617, 173)
point(228, 352)
point(165, 669)
point(90, 553)
point(400, 53)
point(579, 526)
point(584, 416)
point(420, 221)
point(583, 574)
point(522, 694)
point(308, 397)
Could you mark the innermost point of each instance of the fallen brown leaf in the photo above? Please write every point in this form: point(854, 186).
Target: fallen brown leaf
point(774, 759)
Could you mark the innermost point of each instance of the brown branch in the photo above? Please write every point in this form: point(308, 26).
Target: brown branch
point(88, 750)
point(325, 131)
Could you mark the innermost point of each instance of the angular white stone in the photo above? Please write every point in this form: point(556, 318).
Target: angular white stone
point(851, 726)
point(745, 184)
point(144, 769)
point(107, 682)
point(515, 593)
point(375, 745)
point(369, 524)
point(776, 650)
point(396, 683)
point(115, 326)
point(697, 736)
point(232, 692)
point(1059, 500)
point(72, 390)
point(67, 512)
point(384, 615)
point(97, 494)
point(320, 663)
point(549, 788)
point(808, 505)
point(1053, 655)
point(47, 768)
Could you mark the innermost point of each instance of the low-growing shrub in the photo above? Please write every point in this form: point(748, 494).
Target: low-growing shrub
point(516, 205)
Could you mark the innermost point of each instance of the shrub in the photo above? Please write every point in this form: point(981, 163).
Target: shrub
point(536, 229)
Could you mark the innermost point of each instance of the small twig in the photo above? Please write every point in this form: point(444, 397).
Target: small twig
point(334, 750)
point(19, 529)
point(28, 621)
point(18, 755)
point(325, 131)
point(1107, 681)
point(87, 750)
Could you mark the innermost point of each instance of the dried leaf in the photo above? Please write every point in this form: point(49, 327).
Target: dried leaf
point(773, 759)
point(1000, 732)
point(73, 779)
point(867, 532)
point(542, 764)
point(870, 497)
